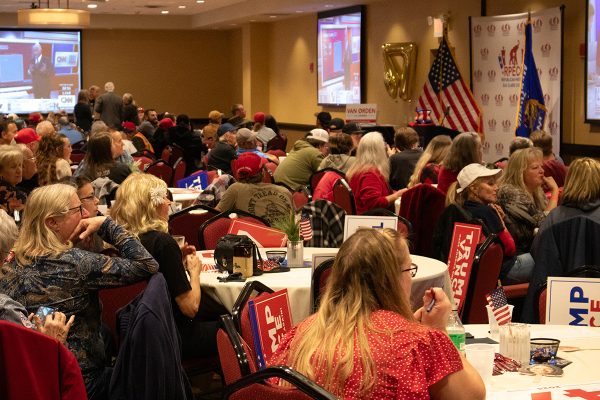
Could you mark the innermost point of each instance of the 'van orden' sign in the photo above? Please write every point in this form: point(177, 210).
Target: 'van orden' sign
point(363, 113)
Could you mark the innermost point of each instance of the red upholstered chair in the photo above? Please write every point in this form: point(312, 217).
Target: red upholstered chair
point(178, 172)
point(316, 177)
point(542, 305)
point(277, 153)
point(319, 280)
point(36, 366)
point(216, 227)
point(269, 169)
point(301, 197)
point(484, 278)
point(343, 197)
point(277, 143)
point(166, 153)
point(77, 156)
point(255, 387)
point(187, 221)
point(233, 352)
point(144, 162)
point(422, 205)
point(162, 170)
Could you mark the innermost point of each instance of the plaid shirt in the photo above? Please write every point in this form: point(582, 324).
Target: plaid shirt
point(327, 220)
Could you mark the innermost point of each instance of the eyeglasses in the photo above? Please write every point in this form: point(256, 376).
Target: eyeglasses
point(91, 197)
point(79, 207)
point(413, 269)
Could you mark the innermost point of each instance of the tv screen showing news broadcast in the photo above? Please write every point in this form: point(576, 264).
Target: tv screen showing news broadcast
point(592, 109)
point(40, 70)
point(339, 56)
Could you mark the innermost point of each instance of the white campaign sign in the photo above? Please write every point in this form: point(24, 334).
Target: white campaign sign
point(573, 301)
point(361, 113)
point(498, 45)
point(353, 223)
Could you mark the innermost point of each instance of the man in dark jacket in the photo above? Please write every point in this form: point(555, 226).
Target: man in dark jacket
point(224, 151)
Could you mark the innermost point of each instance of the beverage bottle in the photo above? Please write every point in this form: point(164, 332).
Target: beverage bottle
point(456, 331)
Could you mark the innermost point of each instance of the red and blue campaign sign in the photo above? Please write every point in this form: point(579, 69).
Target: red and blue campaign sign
point(462, 251)
point(573, 301)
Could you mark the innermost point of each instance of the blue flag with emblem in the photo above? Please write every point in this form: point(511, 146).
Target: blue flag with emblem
point(532, 111)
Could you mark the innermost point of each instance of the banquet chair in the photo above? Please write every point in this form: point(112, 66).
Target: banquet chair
point(319, 280)
point(187, 221)
point(277, 153)
point(269, 169)
point(255, 386)
point(343, 196)
point(277, 143)
point(36, 366)
point(327, 221)
point(233, 352)
point(162, 170)
point(143, 161)
point(301, 197)
point(484, 278)
point(216, 227)
point(314, 179)
point(77, 156)
point(404, 225)
point(178, 172)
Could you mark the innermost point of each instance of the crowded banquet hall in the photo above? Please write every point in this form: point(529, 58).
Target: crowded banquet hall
point(215, 199)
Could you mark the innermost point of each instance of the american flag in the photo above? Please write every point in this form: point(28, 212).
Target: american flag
point(306, 228)
point(497, 300)
point(448, 97)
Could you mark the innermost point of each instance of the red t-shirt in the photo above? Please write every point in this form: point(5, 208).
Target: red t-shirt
point(370, 190)
point(409, 358)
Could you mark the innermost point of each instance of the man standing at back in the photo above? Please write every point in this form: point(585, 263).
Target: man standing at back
point(109, 106)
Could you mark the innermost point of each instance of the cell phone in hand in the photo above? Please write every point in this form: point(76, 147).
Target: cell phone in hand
point(42, 312)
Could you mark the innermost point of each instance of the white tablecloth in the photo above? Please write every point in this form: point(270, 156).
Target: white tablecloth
point(298, 282)
point(584, 368)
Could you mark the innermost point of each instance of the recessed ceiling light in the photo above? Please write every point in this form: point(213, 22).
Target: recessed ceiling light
point(92, 6)
point(272, 16)
point(164, 12)
point(299, 11)
point(199, 1)
point(232, 24)
point(328, 5)
point(252, 20)
point(181, 7)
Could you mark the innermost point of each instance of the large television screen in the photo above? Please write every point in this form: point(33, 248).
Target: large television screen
point(340, 53)
point(592, 65)
point(40, 70)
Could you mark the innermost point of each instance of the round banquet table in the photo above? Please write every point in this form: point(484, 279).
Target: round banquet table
point(297, 281)
point(581, 374)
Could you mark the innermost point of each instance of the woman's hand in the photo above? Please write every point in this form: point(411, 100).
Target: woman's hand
point(187, 249)
point(551, 184)
point(193, 265)
point(55, 325)
point(87, 227)
point(437, 318)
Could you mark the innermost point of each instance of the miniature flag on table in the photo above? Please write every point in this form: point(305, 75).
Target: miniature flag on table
point(306, 228)
point(532, 110)
point(497, 300)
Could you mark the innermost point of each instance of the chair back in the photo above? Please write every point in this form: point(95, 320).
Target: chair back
point(277, 153)
point(343, 196)
point(187, 221)
point(77, 156)
point(255, 387)
point(301, 197)
point(216, 227)
point(542, 305)
point(166, 153)
point(143, 162)
point(277, 143)
point(233, 352)
point(114, 299)
point(442, 235)
point(162, 170)
point(484, 278)
point(177, 152)
point(269, 169)
point(314, 179)
point(319, 280)
point(178, 171)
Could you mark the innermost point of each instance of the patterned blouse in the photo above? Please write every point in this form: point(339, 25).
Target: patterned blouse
point(70, 284)
point(11, 198)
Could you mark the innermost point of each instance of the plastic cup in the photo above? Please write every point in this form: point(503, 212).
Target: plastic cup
point(493, 322)
point(103, 208)
point(481, 357)
point(180, 239)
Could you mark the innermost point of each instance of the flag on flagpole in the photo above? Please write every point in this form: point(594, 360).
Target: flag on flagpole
point(447, 95)
point(306, 228)
point(532, 111)
point(497, 301)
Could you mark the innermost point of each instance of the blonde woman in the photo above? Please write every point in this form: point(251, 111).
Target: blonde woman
point(12, 199)
point(465, 149)
point(142, 207)
point(369, 175)
point(525, 206)
point(52, 167)
point(364, 342)
point(47, 270)
point(428, 166)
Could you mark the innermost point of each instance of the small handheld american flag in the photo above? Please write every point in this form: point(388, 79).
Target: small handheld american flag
point(497, 301)
point(306, 228)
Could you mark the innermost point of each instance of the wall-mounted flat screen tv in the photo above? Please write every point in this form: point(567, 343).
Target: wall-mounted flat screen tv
point(340, 56)
point(40, 70)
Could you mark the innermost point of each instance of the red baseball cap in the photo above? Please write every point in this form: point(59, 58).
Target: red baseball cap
point(128, 126)
point(259, 117)
point(247, 165)
point(26, 136)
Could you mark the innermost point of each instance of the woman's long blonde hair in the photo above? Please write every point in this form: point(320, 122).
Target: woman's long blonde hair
point(435, 152)
point(133, 208)
point(36, 238)
point(49, 151)
point(582, 184)
point(365, 278)
point(371, 153)
point(513, 173)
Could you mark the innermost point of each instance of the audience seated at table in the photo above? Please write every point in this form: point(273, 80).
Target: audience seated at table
point(303, 160)
point(45, 128)
point(465, 149)
point(365, 343)
point(11, 173)
point(51, 165)
point(251, 194)
point(428, 166)
point(247, 143)
point(89, 201)
point(263, 133)
point(191, 143)
point(521, 197)
point(160, 137)
point(30, 170)
point(368, 177)
point(553, 166)
point(279, 142)
point(46, 270)
point(99, 161)
point(142, 208)
point(476, 191)
point(223, 153)
point(402, 163)
point(340, 159)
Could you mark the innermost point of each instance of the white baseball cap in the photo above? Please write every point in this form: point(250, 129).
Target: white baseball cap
point(468, 174)
point(319, 134)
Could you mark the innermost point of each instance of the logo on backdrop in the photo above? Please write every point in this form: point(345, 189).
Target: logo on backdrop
point(554, 23)
point(484, 53)
point(521, 27)
point(539, 70)
point(547, 99)
point(537, 25)
point(553, 126)
point(486, 145)
point(491, 75)
point(505, 29)
point(477, 30)
point(514, 99)
point(499, 99)
point(492, 125)
point(513, 67)
point(491, 29)
point(506, 124)
point(499, 148)
point(546, 47)
point(478, 74)
point(553, 72)
point(485, 99)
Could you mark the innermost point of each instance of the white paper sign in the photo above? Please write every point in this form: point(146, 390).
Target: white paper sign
point(573, 301)
point(363, 113)
point(355, 222)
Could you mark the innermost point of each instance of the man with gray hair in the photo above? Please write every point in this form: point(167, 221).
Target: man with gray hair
point(109, 106)
point(40, 70)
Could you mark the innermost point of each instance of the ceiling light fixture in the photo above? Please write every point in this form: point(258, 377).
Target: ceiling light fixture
point(164, 12)
point(181, 7)
point(92, 6)
point(36, 16)
point(199, 1)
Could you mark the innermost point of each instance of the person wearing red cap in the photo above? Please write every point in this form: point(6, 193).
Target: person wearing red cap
point(264, 133)
point(29, 138)
point(251, 194)
point(127, 131)
point(160, 139)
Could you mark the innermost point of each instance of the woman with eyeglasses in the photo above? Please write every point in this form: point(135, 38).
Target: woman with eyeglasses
point(46, 270)
point(365, 343)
